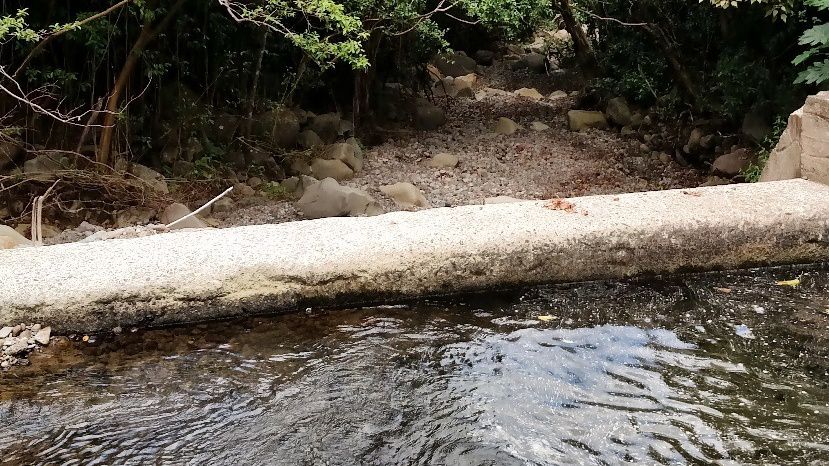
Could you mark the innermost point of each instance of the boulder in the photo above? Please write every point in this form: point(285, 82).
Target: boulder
point(619, 112)
point(455, 64)
point(756, 126)
point(732, 164)
point(134, 216)
point(535, 62)
point(280, 126)
point(299, 166)
point(10, 238)
point(467, 80)
point(506, 126)
point(328, 199)
point(308, 139)
point(10, 153)
point(346, 153)
point(176, 211)
point(429, 116)
point(327, 126)
point(562, 35)
point(803, 149)
point(529, 92)
point(538, 126)
point(484, 57)
point(45, 164)
point(149, 176)
point(579, 120)
point(443, 160)
point(224, 204)
point(558, 95)
point(336, 169)
point(405, 195)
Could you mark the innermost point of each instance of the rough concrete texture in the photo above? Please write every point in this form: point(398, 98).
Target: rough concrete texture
point(803, 149)
point(206, 274)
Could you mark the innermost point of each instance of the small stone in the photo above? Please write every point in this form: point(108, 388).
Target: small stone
point(117, 330)
point(25, 334)
point(243, 190)
point(43, 335)
point(405, 195)
point(506, 126)
point(539, 126)
point(558, 95)
point(529, 92)
point(444, 160)
point(17, 329)
point(5, 364)
point(5, 331)
point(254, 182)
point(16, 348)
point(36, 328)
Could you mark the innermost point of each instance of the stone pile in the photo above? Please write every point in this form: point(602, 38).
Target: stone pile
point(21, 340)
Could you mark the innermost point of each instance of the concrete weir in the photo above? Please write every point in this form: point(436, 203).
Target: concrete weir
point(206, 274)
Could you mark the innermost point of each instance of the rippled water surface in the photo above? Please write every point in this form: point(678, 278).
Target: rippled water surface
point(728, 369)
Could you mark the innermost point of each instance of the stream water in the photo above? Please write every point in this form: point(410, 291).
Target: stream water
point(728, 369)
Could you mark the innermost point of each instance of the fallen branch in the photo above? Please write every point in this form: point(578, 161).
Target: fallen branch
point(200, 209)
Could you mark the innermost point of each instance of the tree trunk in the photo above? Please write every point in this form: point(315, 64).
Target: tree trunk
point(682, 75)
point(251, 103)
point(585, 56)
point(364, 79)
point(148, 34)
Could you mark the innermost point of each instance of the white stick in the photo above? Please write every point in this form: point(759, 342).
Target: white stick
point(195, 212)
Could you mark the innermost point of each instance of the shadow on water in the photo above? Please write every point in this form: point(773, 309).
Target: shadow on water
point(711, 368)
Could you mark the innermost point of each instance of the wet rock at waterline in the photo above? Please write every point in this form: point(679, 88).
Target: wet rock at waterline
point(506, 126)
point(10, 238)
point(443, 160)
point(405, 195)
point(17, 342)
point(328, 198)
point(579, 120)
point(177, 211)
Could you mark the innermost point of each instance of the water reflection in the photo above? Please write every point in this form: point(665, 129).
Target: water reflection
point(636, 372)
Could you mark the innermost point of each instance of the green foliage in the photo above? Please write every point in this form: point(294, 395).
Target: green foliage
point(817, 55)
point(752, 173)
point(274, 190)
point(14, 27)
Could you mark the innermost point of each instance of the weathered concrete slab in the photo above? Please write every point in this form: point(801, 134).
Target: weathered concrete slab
point(204, 274)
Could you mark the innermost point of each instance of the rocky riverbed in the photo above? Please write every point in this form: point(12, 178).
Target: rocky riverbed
point(19, 341)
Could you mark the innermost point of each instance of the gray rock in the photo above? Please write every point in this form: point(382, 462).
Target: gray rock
point(224, 204)
point(405, 195)
point(455, 64)
point(10, 153)
point(619, 112)
point(43, 335)
point(5, 331)
point(558, 95)
point(336, 169)
point(149, 176)
point(176, 211)
point(280, 126)
point(327, 126)
point(539, 126)
point(529, 92)
point(535, 62)
point(243, 190)
point(484, 57)
point(579, 120)
point(506, 126)
point(10, 238)
point(346, 153)
point(18, 347)
point(308, 139)
point(429, 116)
point(733, 163)
point(328, 199)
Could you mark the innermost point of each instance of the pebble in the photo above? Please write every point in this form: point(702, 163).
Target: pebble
point(43, 335)
point(5, 331)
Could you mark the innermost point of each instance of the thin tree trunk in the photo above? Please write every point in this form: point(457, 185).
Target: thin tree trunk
point(364, 79)
point(257, 72)
point(148, 34)
point(585, 56)
point(681, 73)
